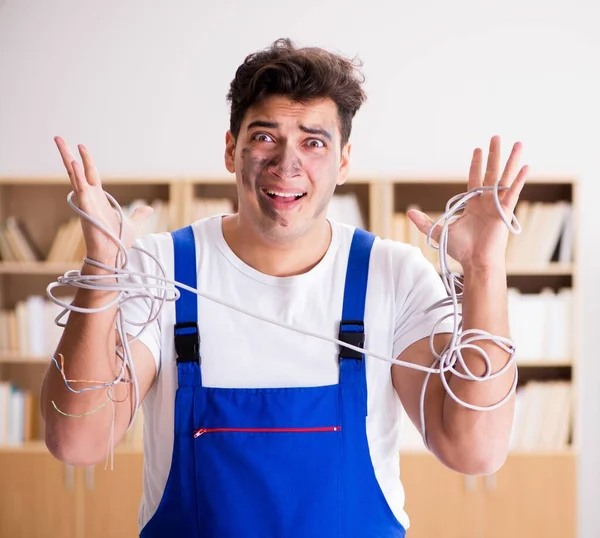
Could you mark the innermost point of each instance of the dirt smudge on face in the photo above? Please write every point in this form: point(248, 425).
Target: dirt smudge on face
point(253, 169)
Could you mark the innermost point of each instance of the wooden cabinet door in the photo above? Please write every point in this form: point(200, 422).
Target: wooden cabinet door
point(37, 496)
point(112, 498)
point(532, 495)
point(439, 501)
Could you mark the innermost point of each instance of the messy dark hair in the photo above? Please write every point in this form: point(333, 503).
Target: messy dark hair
point(301, 74)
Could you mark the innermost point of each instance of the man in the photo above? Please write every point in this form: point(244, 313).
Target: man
point(266, 432)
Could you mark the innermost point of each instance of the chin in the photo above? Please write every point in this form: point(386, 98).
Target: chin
point(279, 233)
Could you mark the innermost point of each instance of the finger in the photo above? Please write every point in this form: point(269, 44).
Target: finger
point(91, 172)
point(475, 170)
point(67, 157)
point(79, 181)
point(493, 162)
point(424, 223)
point(512, 164)
point(511, 196)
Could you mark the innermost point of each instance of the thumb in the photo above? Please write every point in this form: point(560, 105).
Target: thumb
point(141, 214)
point(424, 223)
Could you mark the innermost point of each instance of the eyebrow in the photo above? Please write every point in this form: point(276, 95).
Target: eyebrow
point(275, 125)
point(317, 131)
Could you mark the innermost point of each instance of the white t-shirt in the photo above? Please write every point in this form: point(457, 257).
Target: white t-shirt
point(239, 351)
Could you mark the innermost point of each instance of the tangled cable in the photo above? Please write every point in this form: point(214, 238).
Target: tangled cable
point(160, 289)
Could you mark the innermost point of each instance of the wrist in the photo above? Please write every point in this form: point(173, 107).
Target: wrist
point(107, 257)
point(91, 269)
point(487, 272)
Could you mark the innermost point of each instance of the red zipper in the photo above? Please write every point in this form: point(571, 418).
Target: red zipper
point(202, 431)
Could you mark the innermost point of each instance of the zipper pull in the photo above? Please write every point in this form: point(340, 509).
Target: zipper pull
point(199, 432)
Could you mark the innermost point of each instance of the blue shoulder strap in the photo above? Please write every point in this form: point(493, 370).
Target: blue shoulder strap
point(353, 376)
point(352, 328)
point(186, 333)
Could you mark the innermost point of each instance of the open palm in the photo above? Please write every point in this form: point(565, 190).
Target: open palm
point(92, 200)
point(478, 239)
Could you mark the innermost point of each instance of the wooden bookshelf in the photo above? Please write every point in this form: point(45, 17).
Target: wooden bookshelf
point(41, 496)
point(488, 506)
point(41, 204)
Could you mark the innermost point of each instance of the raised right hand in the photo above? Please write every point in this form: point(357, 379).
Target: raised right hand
point(91, 199)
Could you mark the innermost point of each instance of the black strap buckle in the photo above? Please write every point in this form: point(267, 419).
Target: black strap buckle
point(354, 338)
point(187, 342)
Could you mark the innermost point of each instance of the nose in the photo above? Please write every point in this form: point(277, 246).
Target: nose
point(286, 163)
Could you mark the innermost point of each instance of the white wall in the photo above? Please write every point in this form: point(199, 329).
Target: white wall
point(143, 84)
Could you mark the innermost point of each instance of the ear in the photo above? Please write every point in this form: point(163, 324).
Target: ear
point(344, 164)
point(230, 152)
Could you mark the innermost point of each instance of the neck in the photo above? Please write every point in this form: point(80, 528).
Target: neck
point(291, 258)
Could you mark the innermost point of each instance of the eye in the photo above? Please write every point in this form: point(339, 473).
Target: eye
point(315, 143)
point(262, 137)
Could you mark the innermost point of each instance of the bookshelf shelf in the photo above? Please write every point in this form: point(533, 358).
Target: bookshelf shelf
point(37, 268)
point(106, 180)
point(545, 364)
point(553, 268)
point(461, 182)
point(36, 447)
point(39, 447)
point(566, 453)
point(23, 359)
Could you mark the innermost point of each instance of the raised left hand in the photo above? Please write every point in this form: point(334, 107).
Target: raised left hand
point(478, 239)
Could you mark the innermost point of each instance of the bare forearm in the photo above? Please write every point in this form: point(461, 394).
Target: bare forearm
point(88, 348)
point(482, 436)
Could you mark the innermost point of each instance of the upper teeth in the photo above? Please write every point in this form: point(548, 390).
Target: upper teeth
point(285, 194)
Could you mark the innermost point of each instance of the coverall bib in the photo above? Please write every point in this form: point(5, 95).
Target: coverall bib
point(272, 462)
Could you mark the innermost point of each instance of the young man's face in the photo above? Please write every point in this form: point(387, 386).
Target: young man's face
point(287, 160)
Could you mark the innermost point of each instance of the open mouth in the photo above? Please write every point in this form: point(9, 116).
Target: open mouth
point(284, 196)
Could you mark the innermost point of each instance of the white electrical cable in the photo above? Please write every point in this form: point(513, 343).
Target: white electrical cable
point(163, 289)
